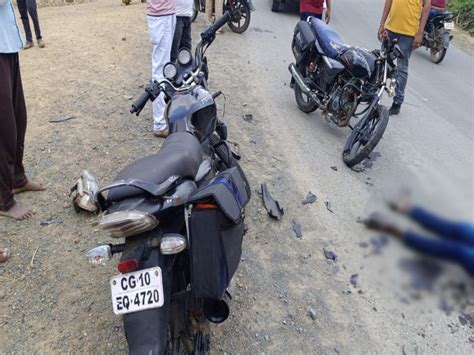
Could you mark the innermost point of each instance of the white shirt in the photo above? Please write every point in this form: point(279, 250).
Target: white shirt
point(10, 39)
point(184, 8)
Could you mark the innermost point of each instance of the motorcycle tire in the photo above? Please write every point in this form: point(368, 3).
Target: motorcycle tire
point(195, 10)
point(306, 105)
point(436, 55)
point(356, 151)
point(241, 10)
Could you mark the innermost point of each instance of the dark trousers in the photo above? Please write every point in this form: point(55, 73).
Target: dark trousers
point(182, 36)
point(405, 43)
point(458, 239)
point(12, 129)
point(26, 7)
point(304, 15)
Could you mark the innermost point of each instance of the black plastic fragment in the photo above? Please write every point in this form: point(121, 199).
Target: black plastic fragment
point(248, 117)
point(355, 280)
point(310, 198)
point(297, 228)
point(334, 168)
point(273, 207)
point(328, 206)
point(329, 254)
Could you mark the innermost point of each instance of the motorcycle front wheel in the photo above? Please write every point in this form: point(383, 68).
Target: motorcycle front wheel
point(240, 17)
point(365, 136)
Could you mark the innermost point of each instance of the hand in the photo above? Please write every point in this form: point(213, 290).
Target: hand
point(417, 40)
point(328, 15)
point(381, 31)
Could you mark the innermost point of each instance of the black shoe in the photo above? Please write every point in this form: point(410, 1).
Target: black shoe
point(395, 109)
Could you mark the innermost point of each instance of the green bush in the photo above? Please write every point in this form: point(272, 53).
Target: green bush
point(464, 13)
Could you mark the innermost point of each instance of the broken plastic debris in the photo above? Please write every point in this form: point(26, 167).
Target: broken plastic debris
point(248, 117)
point(328, 206)
point(329, 254)
point(273, 207)
point(355, 280)
point(334, 168)
point(83, 193)
point(49, 221)
point(310, 198)
point(62, 119)
point(297, 228)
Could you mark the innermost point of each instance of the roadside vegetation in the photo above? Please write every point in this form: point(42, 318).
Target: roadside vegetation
point(464, 14)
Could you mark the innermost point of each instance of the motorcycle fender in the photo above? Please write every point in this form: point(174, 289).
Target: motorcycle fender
point(147, 331)
point(250, 5)
point(445, 39)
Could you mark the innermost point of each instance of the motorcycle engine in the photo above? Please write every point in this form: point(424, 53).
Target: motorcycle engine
point(342, 104)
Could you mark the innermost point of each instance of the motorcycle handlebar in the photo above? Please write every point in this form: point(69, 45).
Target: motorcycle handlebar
point(140, 103)
point(221, 21)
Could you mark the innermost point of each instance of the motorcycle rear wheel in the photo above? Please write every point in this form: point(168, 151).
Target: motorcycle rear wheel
point(240, 17)
point(437, 55)
point(304, 102)
point(365, 136)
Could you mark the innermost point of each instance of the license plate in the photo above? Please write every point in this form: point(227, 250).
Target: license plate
point(449, 25)
point(137, 291)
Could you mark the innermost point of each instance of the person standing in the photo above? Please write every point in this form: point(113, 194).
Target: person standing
point(315, 8)
point(26, 7)
point(405, 21)
point(12, 119)
point(219, 10)
point(182, 33)
point(161, 24)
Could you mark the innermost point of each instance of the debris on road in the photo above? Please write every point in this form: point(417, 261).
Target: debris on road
point(62, 119)
point(49, 221)
point(329, 254)
point(273, 207)
point(312, 313)
point(334, 168)
point(355, 280)
point(310, 198)
point(364, 244)
point(297, 227)
point(33, 257)
point(248, 117)
point(328, 206)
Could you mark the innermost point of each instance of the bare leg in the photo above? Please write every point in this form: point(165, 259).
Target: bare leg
point(30, 186)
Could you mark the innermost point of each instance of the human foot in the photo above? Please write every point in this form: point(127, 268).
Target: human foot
point(379, 222)
point(402, 203)
point(41, 43)
point(30, 186)
point(28, 45)
point(5, 254)
point(18, 212)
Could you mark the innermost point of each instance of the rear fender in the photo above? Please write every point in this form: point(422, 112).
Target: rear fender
point(445, 39)
point(147, 331)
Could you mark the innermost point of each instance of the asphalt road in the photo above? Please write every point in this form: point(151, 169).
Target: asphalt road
point(428, 148)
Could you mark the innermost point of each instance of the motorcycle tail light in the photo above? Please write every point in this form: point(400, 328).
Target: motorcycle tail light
point(99, 255)
point(127, 223)
point(172, 244)
point(129, 265)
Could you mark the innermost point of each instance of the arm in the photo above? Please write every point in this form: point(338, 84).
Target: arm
point(424, 17)
point(386, 11)
point(328, 11)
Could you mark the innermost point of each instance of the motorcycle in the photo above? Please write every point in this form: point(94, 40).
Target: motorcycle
point(337, 78)
point(240, 11)
point(181, 214)
point(437, 35)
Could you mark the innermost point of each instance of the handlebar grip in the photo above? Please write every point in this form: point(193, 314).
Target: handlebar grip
point(140, 103)
point(221, 21)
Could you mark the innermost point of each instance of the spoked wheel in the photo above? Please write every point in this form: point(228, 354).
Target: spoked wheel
point(195, 10)
point(437, 54)
point(240, 17)
point(365, 136)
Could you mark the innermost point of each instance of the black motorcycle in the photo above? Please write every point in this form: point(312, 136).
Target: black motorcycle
point(437, 35)
point(240, 11)
point(181, 214)
point(336, 78)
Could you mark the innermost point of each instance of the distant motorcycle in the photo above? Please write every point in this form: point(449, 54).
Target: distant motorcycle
point(240, 11)
point(337, 78)
point(180, 214)
point(437, 35)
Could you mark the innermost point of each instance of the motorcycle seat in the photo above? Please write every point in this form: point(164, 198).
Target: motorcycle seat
point(329, 41)
point(181, 154)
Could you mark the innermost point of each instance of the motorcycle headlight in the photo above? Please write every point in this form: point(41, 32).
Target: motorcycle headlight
point(170, 71)
point(127, 223)
point(185, 57)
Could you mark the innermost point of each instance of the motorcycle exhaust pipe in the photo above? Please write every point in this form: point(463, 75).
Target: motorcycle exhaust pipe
point(217, 311)
point(300, 82)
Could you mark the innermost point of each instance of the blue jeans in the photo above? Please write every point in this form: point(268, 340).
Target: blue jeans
point(405, 43)
point(457, 244)
point(304, 15)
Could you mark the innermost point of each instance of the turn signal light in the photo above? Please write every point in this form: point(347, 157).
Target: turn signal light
point(172, 244)
point(128, 265)
point(127, 223)
point(99, 255)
